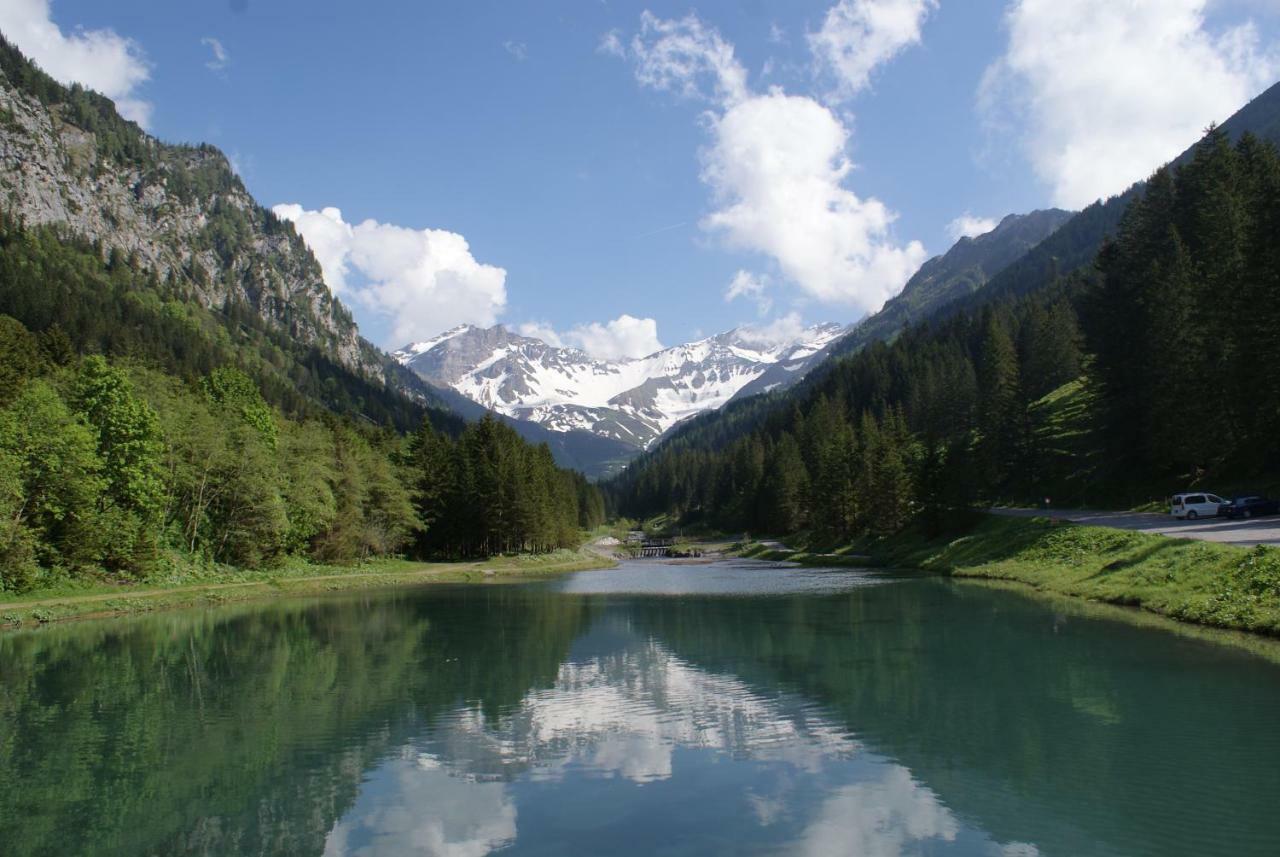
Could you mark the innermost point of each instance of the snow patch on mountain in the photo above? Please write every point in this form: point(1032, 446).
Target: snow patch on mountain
point(634, 400)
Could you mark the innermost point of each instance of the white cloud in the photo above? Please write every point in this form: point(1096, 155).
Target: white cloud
point(220, 56)
point(420, 280)
point(1105, 92)
point(788, 328)
point(751, 286)
point(684, 56)
point(970, 226)
point(879, 818)
point(519, 50)
point(97, 59)
point(419, 808)
point(777, 167)
point(858, 35)
point(625, 336)
point(541, 330)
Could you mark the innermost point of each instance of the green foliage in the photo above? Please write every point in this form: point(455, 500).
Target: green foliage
point(19, 357)
point(106, 467)
point(490, 492)
point(232, 389)
point(51, 482)
point(127, 435)
point(1185, 321)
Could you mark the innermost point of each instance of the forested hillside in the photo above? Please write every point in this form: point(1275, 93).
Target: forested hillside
point(118, 470)
point(1069, 248)
point(964, 269)
point(1142, 373)
point(180, 392)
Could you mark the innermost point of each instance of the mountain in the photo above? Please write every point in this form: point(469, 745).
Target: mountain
point(964, 269)
point(632, 401)
point(180, 218)
point(213, 277)
point(1075, 244)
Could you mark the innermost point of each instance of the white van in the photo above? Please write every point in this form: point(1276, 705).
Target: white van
point(1192, 506)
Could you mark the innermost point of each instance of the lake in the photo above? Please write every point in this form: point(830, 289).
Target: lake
point(730, 708)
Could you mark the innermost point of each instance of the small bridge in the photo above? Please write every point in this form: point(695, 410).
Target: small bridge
point(657, 547)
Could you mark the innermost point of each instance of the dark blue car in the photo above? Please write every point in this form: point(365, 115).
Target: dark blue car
point(1250, 506)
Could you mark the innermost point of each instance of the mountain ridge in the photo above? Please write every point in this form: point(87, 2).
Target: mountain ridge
point(631, 400)
point(964, 269)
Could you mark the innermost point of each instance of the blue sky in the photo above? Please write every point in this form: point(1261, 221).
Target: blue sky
point(607, 159)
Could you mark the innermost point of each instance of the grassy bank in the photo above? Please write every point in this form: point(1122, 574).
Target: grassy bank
point(86, 601)
point(1192, 581)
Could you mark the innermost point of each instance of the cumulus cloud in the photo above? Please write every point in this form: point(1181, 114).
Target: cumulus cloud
point(970, 226)
point(788, 328)
point(624, 337)
point(777, 168)
point(220, 56)
point(541, 330)
point(97, 59)
point(1105, 92)
point(859, 35)
point(751, 286)
point(420, 280)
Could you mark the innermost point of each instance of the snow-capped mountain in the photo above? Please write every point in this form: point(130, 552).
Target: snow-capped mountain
point(632, 400)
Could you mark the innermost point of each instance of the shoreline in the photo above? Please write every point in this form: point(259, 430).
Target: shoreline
point(1193, 583)
point(105, 602)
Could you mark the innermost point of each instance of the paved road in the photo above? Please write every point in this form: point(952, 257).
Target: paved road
point(1258, 531)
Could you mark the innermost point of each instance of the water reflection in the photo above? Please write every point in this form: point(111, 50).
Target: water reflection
point(842, 714)
point(637, 714)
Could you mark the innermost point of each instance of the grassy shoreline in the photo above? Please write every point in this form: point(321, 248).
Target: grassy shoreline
point(1196, 582)
point(298, 579)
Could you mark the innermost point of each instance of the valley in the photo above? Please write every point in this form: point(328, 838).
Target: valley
point(567, 429)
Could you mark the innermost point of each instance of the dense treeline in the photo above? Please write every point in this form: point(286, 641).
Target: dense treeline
point(1164, 350)
point(117, 469)
point(1186, 323)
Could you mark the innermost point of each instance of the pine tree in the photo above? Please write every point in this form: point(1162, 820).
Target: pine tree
point(999, 405)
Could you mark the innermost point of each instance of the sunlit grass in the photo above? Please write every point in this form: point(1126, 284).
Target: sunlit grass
point(1194, 581)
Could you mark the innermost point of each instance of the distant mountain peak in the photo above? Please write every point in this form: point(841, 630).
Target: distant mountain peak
point(634, 399)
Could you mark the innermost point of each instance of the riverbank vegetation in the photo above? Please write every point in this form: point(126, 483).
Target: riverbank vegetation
point(1114, 385)
point(114, 471)
point(1193, 581)
point(80, 598)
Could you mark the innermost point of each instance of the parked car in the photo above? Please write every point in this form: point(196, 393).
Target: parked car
point(1197, 505)
point(1250, 506)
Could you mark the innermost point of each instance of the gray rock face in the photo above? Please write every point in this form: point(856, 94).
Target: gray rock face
point(183, 214)
point(632, 400)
